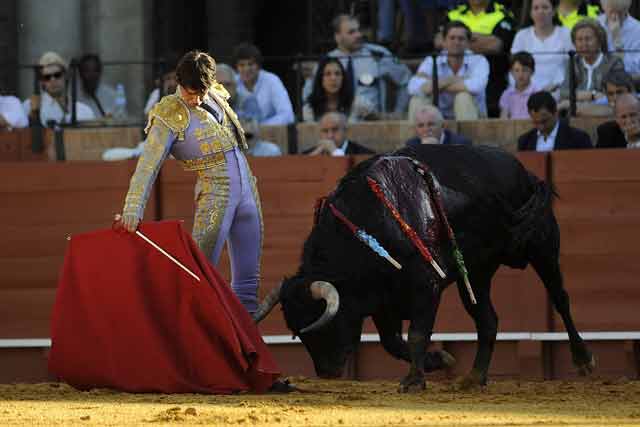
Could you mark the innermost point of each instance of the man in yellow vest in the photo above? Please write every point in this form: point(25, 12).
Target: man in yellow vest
point(493, 28)
point(570, 12)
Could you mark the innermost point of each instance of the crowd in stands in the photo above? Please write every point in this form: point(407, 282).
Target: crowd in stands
point(486, 66)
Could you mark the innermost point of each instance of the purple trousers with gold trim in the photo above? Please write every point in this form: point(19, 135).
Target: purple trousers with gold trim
point(228, 210)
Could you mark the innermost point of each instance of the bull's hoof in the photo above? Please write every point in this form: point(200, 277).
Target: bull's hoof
point(472, 380)
point(412, 384)
point(448, 361)
point(587, 368)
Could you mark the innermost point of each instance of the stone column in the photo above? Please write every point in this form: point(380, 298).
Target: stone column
point(44, 26)
point(120, 31)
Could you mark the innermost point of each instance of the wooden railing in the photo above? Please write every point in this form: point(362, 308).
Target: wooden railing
point(598, 211)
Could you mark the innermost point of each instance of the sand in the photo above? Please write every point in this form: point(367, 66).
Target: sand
point(593, 402)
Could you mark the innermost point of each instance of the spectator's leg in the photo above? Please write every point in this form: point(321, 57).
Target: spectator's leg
point(464, 107)
point(414, 15)
point(386, 21)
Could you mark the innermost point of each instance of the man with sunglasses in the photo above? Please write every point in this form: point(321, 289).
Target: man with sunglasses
point(53, 103)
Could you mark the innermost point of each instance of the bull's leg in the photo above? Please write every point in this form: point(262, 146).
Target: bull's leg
point(423, 314)
point(390, 330)
point(544, 260)
point(486, 321)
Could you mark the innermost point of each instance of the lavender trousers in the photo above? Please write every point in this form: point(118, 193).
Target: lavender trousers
point(228, 210)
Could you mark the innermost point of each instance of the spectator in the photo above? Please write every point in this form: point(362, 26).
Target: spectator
point(548, 41)
point(429, 127)
point(12, 116)
point(246, 108)
point(623, 34)
point(333, 138)
point(592, 62)
point(627, 111)
point(549, 132)
point(333, 92)
point(513, 102)
point(462, 78)
point(492, 28)
point(614, 84)
point(367, 65)
point(570, 12)
point(258, 147)
point(52, 105)
point(609, 133)
point(99, 96)
point(167, 84)
point(267, 88)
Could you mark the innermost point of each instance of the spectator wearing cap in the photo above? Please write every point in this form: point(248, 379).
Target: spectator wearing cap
point(53, 104)
point(267, 88)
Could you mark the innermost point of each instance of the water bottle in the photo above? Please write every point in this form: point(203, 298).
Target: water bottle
point(120, 109)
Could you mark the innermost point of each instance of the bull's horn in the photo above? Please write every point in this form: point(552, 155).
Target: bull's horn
point(267, 304)
point(327, 292)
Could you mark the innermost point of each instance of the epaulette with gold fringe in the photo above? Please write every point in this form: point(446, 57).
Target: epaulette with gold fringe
point(173, 113)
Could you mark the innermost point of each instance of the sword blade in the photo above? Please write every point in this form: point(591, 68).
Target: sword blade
point(165, 253)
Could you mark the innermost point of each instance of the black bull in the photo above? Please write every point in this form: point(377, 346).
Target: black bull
point(500, 213)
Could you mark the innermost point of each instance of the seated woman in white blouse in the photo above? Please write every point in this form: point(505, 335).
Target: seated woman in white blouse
point(548, 41)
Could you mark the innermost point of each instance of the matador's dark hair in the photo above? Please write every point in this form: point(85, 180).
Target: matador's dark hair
point(196, 70)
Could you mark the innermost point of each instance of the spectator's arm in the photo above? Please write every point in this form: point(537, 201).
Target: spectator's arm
point(390, 67)
point(476, 81)
point(282, 104)
point(486, 44)
point(422, 76)
point(15, 116)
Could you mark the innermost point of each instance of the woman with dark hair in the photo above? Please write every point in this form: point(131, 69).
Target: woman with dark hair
point(548, 41)
point(333, 92)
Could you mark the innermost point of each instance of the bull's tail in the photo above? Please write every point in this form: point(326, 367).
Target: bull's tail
point(532, 221)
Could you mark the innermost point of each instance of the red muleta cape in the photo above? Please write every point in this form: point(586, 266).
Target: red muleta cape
point(128, 318)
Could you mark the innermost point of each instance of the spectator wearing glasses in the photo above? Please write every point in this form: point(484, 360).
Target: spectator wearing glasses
point(53, 104)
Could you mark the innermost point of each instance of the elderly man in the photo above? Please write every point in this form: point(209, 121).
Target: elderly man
point(367, 66)
point(246, 107)
point(333, 138)
point(53, 104)
point(462, 77)
point(550, 133)
point(627, 111)
point(623, 33)
point(429, 127)
point(609, 133)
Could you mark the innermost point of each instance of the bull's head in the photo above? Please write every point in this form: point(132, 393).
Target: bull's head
point(312, 310)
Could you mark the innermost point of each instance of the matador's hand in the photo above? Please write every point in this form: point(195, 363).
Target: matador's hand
point(128, 222)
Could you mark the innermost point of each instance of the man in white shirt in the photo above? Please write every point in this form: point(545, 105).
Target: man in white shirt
point(92, 91)
point(12, 115)
point(462, 78)
point(52, 105)
point(267, 88)
point(623, 34)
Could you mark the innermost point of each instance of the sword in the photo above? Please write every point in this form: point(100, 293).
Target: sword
point(165, 253)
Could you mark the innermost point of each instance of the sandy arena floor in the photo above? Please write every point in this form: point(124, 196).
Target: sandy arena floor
point(341, 403)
